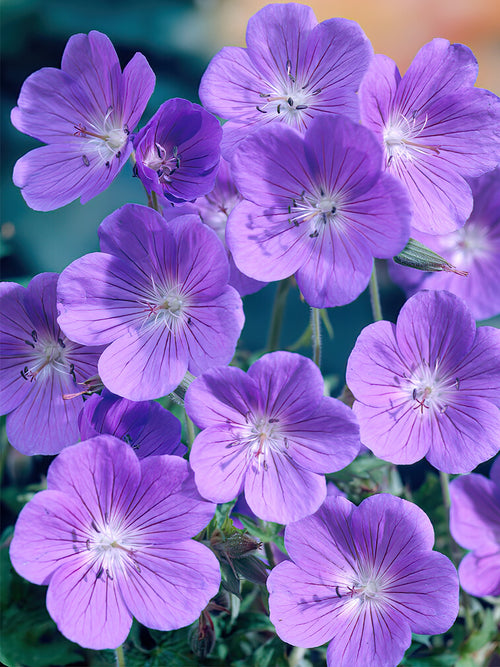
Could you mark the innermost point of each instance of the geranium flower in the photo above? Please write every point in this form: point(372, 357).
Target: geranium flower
point(429, 385)
point(474, 248)
point(178, 151)
point(475, 525)
point(111, 538)
point(40, 366)
point(271, 433)
point(318, 207)
point(144, 425)
point(292, 71)
point(158, 296)
point(436, 130)
point(85, 112)
point(365, 578)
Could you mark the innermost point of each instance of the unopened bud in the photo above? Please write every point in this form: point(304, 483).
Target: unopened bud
point(202, 636)
point(418, 256)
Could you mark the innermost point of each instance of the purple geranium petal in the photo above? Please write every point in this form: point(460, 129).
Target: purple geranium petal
point(160, 298)
point(178, 151)
point(479, 572)
point(315, 208)
point(366, 573)
point(85, 113)
point(146, 426)
point(277, 492)
point(112, 539)
point(41, 369)
point(270, 431)
point(427, 386)
point(475, 248)
point(427, 122)
point(293, 70)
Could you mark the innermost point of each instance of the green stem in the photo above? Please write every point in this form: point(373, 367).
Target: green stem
point(273, 339)
point(375, 296)
point(316, 335)
point(191, 435)
point(120, 656)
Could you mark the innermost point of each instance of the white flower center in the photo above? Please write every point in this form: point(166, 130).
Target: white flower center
point(467, 244)
point(261, 437)
point(317, 210)
point(49, 356)
point(111, 548)
point(165, 305)
point(106, 137)
point(288, 98)
point(431, 390)
point(164, 161)
point(401, 138)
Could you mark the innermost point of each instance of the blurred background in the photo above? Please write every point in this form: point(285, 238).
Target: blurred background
point(179, 38)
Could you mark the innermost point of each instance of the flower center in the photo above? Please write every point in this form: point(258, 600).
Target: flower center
point(164, 162)
point(467, 244)
point(261, 437)
point(317, 210)
point(401, 138)
point(167, 306)
point(106, 137)
point(49, 356)
point(111, 548)
point(431, 390)
point(288, 98)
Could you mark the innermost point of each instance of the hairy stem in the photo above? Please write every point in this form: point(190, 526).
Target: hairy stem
point(316, 335)
point(120, 656)
point(375, 296)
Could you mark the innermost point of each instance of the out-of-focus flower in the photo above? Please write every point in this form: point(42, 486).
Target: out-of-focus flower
point(111, 538)
point(365, 578)
point(39, 367)
point(144, 425)
point(436, 130)
point(271, 433)
point(85, 113)
point(318, 206)
point(293, 70)
point(475, 525)
point(429, 385)
point(178, 151)
point(158, 296)
point(474, 248)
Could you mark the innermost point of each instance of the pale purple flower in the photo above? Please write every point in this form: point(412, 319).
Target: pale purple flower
point(318, 206)
point(436, 129)
point(474, 248)
point(429, 385)
point(111, 538)
point(270, 432)
point(214, 209)
point(293, 70)
point(365, 578)
point(144, 425)
point(177, 153)
point(84, 112)
point(39, 367)
point(158, 296)
point(475, 525)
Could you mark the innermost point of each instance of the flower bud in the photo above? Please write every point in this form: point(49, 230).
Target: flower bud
point(418, 256)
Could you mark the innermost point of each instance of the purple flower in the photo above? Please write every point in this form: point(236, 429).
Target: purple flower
point(84, 112)
point(318, 207)
point(365, 578)
point(292, 71)
point(270, 432)
point(145, 425)
point(111, 538)
point(214, 209)
point(436, 129)
point(40, 365)
point(475, 525)
point(474, 248)
point(178, 151)
point(157, 294)
point(429, 385)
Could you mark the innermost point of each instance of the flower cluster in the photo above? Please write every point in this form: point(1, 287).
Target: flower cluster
point(331, 159)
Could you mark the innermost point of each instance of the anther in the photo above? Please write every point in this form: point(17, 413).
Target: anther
point(290, 102)
point(99, 572)
point(72, 372)
point(106, 164)
point(28, 342)
point(34, 335)
point(85, 161)
point(314, 235)
point(457, 383)
point(316, 92)
point(337, 592)
point(278, 108)
point(61, 343)
point(261, 110)
point(119, 154)
point(300, 107)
